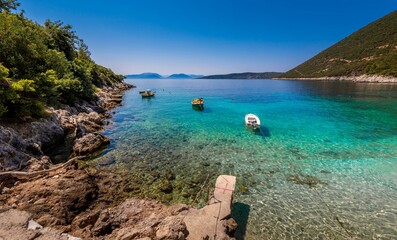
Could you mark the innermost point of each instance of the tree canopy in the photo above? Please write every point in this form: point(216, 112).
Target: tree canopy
point(8, 5)
point(44, 65)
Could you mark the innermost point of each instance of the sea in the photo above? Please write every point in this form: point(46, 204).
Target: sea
point(323, 165)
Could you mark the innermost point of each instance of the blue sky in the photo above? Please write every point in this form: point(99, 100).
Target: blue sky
point(208, 36)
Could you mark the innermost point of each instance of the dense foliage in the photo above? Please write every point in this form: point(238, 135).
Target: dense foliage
point(370, 50)
point(247, 75)
point(44, 65)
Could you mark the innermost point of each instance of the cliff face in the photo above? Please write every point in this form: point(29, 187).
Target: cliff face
point(370, 51)
point(31, 145)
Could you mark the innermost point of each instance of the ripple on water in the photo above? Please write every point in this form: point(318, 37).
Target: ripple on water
point(323, 167)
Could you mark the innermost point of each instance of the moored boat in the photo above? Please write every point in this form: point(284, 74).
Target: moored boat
point(251, 120)
point(147, 93)
point(198, 103)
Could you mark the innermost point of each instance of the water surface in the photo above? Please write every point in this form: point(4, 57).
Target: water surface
point(323, 166)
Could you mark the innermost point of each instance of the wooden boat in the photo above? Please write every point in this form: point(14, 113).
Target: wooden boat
point(147, 93)
point(253, 121)
point(198, 103)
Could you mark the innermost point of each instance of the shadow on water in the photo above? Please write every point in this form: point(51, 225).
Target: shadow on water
point(198, 108)
point(262, 131)
point(240, 213)
point(204, 110)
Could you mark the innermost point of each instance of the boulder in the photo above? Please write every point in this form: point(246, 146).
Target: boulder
point(13, 150)
point(89, 143)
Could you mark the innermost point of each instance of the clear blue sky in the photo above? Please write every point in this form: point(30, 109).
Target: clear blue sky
point(208, 36)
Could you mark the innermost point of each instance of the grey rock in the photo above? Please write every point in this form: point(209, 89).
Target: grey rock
point(33, 225)
point(90, 143)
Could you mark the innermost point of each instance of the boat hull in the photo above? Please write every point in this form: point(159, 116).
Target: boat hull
point(198, 107)
point(147, 95)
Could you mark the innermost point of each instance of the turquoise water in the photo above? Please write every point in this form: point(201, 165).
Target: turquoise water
point(323, 166)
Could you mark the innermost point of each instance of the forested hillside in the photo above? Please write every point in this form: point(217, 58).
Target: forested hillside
point(371, 50)
point(246, 75)
point(44, 65)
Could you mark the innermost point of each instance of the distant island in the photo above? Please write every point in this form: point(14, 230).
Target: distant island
point(369, 54)
point(246, 75)
point(144, 75)
point(150, 75)
point(179, 76)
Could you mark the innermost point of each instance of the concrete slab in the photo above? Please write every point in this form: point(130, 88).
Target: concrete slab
point(208, 222)
point(224, 189)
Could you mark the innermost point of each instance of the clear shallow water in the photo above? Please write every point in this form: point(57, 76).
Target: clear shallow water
point(323, 166)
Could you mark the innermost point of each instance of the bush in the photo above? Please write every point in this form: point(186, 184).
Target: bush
point(44, 65)
point(70, 90)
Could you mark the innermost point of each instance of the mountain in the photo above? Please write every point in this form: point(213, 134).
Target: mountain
point(195, 75)
point(371, 50)
point(179, 76)
point(144, 75)
point(246, 75)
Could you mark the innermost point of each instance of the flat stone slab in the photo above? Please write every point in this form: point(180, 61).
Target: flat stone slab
point(208, 222)
point(224, 189)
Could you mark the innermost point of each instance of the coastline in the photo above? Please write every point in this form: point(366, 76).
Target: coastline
point(69, 200)
point(360, 79)
point(35, 144)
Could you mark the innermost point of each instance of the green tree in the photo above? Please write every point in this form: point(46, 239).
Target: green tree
point(22, 45)
point(70, 90)
point(44, 65)
point(8, 5)
point(24, 100)
point(4, 89)
point(62, 38)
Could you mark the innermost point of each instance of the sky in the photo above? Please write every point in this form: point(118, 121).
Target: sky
point(208, 36)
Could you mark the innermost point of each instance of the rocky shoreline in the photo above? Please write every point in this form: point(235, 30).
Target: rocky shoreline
point(69, 200)
point(33, 144)
point(361, 79)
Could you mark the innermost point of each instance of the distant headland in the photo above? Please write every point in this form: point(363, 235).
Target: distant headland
point(245, 75)
point(150, 75)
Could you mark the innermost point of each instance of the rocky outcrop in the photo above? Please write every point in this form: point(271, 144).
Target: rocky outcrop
point(15, 224)
point(53, 200)
point(18, 152)
point(133, 219)
point(29, 144)
point(68, 200)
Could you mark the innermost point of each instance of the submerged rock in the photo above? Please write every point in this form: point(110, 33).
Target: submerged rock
point(309, 180)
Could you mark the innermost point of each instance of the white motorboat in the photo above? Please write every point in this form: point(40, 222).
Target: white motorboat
point(251, 120)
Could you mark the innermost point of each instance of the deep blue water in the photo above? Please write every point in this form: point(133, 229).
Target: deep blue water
point(324, 164)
